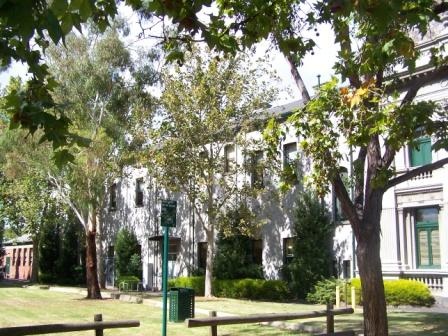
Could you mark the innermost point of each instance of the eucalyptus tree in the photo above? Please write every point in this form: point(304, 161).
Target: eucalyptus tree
point(24, 189)
point(207, 107)
point(103, 91)
point(104, 94)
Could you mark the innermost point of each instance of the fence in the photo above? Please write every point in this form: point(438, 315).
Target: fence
point(214, 321)
point(98, 325)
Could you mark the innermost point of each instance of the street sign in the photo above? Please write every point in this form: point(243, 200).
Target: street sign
point(167, 220)
point(168, 213)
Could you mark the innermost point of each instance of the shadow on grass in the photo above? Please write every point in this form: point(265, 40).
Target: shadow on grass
point(9, 283)
point(418, 324)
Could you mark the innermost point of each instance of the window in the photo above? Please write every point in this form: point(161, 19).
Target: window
point(24, 256)
point(229, 157)
point(288, 250)
point(346, 266)
point(256, 169)
point(30, 259)
point(257, 251)
point(113, 197)
point(420, 153)
point(427, 237)
point(337, 208)
point(289, 154)
point(14, 257)
point(202, 255)
point(173, 249)
point(139, 192)
point(290, 163)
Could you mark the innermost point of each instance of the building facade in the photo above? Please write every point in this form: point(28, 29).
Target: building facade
point(17, 263)
point(414, 222)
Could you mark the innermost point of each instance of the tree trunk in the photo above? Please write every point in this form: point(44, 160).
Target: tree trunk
point(35, 264)
point(209, 262)
point(93, 287)
point(100, 253)
point(370, 271)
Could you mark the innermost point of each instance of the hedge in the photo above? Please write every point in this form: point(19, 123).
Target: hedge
point(253, 289)
point(401, 292)
point(398, 292)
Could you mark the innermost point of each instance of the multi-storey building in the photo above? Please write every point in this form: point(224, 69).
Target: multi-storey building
point(414, 220)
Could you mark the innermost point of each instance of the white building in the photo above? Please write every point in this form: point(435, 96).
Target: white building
point(414, 220)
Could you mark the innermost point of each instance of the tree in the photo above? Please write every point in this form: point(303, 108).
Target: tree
point(313, 244)
point(26, 30)
point(373, 39)
point(234, 257)
point(128, 254)
point(104, 93)
point(208, 103)
point(24, 189)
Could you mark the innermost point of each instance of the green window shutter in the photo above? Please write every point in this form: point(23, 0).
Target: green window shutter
point(427, 238)
point(421, 154)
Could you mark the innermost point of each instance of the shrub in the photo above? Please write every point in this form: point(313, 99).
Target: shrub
point(401, 292)
point(324, 291)
point(253, 289)
point(398, 292)
point(128, 257)
point(196, 282)
point(312, 247)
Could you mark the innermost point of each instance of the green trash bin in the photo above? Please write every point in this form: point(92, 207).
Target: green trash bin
point(181, 304)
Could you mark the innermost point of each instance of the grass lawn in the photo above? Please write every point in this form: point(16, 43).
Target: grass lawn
point(25, 306)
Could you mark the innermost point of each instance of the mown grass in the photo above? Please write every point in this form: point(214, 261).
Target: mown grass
point(26, 306)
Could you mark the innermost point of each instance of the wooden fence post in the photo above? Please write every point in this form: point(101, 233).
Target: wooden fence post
point(213, 329)
point(330, 318)
point(98, 318)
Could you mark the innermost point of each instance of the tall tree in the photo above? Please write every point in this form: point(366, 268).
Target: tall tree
point(103, 91)
point(105, 94)
point(26, 194)
point(26, 29)
point(373, 38)
point(204, 104)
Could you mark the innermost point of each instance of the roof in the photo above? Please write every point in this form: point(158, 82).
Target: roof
point(21, 240)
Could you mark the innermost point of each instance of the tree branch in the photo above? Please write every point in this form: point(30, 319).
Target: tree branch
point(347, 205)
point(297, 78)
point(359, 179)
point(415, 172)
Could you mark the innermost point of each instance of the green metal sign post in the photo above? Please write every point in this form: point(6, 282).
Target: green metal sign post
point(167, 220)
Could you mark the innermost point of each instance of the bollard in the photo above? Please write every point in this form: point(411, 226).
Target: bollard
point(330, 318)
point(353, 298)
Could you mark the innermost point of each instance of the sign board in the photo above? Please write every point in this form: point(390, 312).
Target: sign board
point(168, 213)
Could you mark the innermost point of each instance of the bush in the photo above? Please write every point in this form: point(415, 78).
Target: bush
point(401, 292)
point(398, 292)
point(196, 282)
point(253, 289)
point(324, 291)
point(127, 253)
point(313, 245)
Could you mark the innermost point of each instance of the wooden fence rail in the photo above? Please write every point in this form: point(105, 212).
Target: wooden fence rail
point(214, 321)
point(98, 325)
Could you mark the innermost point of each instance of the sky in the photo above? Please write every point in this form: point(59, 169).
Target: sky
point(313, 65)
